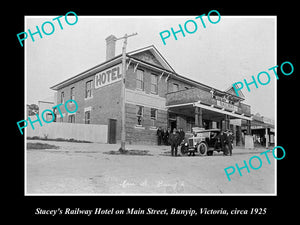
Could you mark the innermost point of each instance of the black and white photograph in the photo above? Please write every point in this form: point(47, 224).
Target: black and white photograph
point(186, 125)
point(166, 115)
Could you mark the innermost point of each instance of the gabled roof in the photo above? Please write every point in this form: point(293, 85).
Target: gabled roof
point(136, 55)
point(156, 54)
point(117, 59)
point(89, 72)
point(231, 90)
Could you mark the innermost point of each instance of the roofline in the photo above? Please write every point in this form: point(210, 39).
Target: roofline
point(170, 72)
point(155, 49)
point(243, 96)
point(185, 78)
point(128, 55)
point(55, 87)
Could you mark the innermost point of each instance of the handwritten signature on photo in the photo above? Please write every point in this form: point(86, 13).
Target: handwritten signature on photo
point(177, 187)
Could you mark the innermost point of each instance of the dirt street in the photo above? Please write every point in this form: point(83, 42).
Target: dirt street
point(91, 168)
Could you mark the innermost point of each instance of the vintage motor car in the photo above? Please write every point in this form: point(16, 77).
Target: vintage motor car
point(203, 142)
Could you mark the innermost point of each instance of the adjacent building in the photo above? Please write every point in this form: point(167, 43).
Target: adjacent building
point(263, 130)
point(156, 96)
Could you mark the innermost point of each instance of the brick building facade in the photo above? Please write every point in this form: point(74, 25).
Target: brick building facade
point(156, 96)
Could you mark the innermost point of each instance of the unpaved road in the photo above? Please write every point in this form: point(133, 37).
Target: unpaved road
point(86, 168)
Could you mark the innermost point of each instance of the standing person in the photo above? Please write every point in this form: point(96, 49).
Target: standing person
point(173, 140)
point(263, 141)
point(229, 141)
point(162, 136)
point(223, 138)
point(217, 141)
point(181, 135)
point(159, 135)
point(168, 132)
point(165, 134)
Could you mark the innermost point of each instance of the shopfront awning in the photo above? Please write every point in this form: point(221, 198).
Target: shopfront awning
point(215, 111)
point(255, 125)
point(222, 111)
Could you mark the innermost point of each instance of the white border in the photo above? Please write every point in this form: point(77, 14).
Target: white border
point(89, 194)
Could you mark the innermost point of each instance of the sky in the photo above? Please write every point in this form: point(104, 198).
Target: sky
point(219, 55)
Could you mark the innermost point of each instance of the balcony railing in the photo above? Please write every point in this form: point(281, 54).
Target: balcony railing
point(194, 95)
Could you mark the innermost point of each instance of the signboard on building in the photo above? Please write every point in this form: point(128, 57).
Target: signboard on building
point(227, 105)
point(108, 76)
point(236, 122)
point(255, 127)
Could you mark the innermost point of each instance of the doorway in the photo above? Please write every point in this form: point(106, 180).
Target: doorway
point(173, 124)
point(112, 131)
point(172, 121)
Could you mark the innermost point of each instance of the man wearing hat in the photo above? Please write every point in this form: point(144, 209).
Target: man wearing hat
point(223, 139)
point(173, 140)
point(229, 140)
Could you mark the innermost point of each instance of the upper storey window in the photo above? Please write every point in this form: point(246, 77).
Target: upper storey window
point(154, 84)
point(140, 80)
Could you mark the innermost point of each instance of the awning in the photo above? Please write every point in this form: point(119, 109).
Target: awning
point(255, 125)
point(214, 109)
point(221, 111)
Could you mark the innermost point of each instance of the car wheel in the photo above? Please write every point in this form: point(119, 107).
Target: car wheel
point(202, 148)
point(184, 149)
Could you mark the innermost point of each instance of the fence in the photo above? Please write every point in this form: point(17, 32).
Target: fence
point(77, 131)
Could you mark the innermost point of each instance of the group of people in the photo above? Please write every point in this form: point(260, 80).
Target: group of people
point(163, 136)
point(260, 140)
point(226, 137)
point(174, 138)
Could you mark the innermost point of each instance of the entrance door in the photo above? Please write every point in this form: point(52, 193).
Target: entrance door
point(112, 131)
point(173, 124)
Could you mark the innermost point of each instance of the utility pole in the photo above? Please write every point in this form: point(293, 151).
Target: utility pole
point(123, 97)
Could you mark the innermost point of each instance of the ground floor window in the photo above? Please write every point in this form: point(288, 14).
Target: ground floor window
point(87, 117)
point(139, 114)
point(153, 116)
point(71, 118)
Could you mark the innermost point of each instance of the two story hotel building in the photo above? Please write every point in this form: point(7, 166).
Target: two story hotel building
point(156, 96)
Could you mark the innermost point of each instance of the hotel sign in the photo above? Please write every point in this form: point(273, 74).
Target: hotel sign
point(254, 127)
point(108, 76)
point(227, 105)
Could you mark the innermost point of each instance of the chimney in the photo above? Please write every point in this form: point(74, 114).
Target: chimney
point(110, 47)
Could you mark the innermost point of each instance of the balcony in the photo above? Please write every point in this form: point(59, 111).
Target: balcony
point(194, 95)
